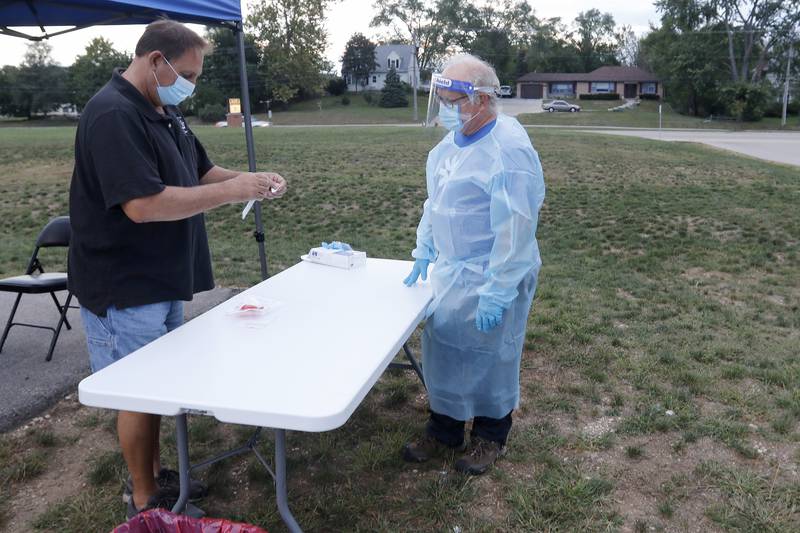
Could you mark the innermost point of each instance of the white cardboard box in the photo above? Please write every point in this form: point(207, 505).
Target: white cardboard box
point(338, 258)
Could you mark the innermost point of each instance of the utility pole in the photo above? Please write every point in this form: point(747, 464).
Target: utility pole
point(786, 84)
point(414, 80)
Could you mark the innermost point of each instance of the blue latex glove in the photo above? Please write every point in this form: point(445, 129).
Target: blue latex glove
point(488, 316)
point(420, 269)
point(336, 245)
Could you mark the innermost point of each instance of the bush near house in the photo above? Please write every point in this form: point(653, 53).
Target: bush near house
point(745, 101)
point(393, 93)
point(649, 97)
point(336, 86)
point(599, 96)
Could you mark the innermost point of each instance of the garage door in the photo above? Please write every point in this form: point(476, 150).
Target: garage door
point(531, 91)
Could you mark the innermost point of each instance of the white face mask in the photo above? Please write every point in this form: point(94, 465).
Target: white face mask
point(177, 92)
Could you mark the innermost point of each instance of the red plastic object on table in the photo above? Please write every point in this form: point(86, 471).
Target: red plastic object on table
point(163, 521)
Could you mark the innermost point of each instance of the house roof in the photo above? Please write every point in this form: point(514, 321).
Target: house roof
point(601, 74)
point(403, 51)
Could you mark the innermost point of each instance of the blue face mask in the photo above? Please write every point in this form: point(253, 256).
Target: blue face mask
point(450, 117)
point(177, 92)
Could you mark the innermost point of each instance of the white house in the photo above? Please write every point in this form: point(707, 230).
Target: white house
point(399, 56)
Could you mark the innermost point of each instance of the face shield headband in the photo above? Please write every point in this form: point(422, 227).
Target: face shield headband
point(445, 100)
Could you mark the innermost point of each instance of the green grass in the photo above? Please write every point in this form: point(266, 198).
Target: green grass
point(330, 110)
point(667, 300)
point(596, 113)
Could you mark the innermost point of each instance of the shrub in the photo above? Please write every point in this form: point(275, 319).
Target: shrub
point(599, 96)
point(336, 86)
point(649, 97)
point(393, 94)
point(345, 100)
point(212, 112)
point(745, 101)
point(775, 109)
point(368, 97)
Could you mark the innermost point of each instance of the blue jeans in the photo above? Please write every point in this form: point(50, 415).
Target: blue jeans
point(123, 331)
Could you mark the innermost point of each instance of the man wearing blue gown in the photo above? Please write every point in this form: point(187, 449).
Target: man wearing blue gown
point(485, 189)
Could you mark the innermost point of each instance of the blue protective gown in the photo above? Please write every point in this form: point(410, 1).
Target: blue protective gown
point(479, 227)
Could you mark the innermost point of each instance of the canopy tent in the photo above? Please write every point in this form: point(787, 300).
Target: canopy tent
point(79, 14)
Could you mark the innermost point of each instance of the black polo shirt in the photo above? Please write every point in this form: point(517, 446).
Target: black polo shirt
point(125, 149)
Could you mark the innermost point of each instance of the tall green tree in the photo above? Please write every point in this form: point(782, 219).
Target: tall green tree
point(220, 79)
point(92, 69)
point(9, 88)
point(293, 38)
point(41, 83)
point(420, 23)
point(359, 59)
point(595, 38)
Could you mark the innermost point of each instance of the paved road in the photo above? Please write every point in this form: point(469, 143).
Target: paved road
point(28, 384)
point(515, 106)
point(776, 146)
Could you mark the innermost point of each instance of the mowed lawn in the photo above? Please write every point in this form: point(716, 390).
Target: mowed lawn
point(596, 113)
point(660, 378)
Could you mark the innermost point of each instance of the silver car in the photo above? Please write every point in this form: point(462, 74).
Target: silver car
point(560, 105)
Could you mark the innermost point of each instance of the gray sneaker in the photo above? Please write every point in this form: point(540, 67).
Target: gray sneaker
point(481, 455)
point(169, 481)
point(427, 448)
point(163, 500)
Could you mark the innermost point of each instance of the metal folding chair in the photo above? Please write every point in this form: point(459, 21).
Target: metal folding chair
point(36, 281)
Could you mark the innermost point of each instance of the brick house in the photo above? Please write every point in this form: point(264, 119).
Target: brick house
point(628, 82)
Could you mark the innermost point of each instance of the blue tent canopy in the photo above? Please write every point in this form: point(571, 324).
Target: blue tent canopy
point(84, 13)
point(80, 14)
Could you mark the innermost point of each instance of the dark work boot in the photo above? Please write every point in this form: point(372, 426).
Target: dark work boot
point(480, 456)
point(427, 447)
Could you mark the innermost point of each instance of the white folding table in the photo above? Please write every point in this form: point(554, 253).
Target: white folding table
point(329, 334)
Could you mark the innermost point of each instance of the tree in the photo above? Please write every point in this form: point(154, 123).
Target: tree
point(595, 38)
point(753, 28)
point(220, 79)
point(359, 59)
point(292, 34)
point(393, 93)
point(92, 70)
point(628, 44)
point(41, 83)
point(9, 89)
point(420, 23)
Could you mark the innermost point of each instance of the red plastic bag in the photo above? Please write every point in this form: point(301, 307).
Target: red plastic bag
point(163, 521)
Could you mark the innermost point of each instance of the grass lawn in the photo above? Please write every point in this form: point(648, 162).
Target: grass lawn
point(660, 378)
point(595, 113)
point(330, 110)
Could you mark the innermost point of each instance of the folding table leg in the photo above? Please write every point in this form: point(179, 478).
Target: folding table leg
point(281, 494)
point(10, 320)
point(414, 363)
point(183, 462)
point(61, 321)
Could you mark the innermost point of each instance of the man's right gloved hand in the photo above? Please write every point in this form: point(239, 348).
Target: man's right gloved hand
point(420, 269)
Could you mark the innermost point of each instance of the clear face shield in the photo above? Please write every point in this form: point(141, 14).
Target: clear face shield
point(445, 101)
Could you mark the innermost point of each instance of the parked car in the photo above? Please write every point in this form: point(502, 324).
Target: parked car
point(254, 122)
point(560, 105)
point(505, 92)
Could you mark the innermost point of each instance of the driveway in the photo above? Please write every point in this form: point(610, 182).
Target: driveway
point(28, 384)
point(776, 146)
point(515, 106)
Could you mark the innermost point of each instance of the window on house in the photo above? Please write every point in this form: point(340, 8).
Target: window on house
point(374, 79)
point(561, 88)
point(649, 87)
point(603, 87)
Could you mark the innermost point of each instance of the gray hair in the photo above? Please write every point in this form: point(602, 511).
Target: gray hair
point(479, 73)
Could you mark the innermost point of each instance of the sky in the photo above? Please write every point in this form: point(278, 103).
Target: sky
point(344, 18)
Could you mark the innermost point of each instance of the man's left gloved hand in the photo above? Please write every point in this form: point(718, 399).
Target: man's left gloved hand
point(488, 316)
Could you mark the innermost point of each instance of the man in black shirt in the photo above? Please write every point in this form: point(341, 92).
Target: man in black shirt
point(140, 186)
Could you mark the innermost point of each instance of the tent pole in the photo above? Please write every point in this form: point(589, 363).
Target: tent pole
point(251, 151)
